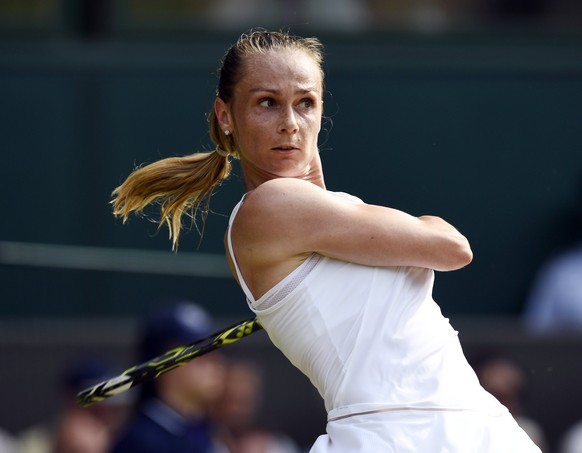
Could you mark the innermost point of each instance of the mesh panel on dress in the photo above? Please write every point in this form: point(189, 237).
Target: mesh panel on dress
point(295, 278)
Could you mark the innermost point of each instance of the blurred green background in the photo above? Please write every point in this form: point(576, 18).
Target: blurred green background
point(466, 110)
point(479, 125)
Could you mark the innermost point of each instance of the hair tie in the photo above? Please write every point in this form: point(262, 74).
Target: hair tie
point(221, 152)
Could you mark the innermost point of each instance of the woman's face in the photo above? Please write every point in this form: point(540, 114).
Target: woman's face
point(275, 115)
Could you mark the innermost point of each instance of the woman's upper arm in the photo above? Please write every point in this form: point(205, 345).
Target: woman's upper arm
point(286, 218)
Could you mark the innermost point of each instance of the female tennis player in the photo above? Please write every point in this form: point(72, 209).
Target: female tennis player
point(343, 288)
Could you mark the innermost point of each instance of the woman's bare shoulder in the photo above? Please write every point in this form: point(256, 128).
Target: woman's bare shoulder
point(282, 207)
point(278, 186)
point(282, 194)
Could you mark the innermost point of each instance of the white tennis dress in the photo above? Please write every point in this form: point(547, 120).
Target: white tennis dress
point(387, 363)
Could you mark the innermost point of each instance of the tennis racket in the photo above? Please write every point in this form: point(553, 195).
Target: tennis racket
point(166, 362)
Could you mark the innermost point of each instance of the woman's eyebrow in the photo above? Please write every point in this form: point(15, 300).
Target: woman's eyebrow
point(276, 91)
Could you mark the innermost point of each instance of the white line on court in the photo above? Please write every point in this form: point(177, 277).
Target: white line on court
point(113, 259)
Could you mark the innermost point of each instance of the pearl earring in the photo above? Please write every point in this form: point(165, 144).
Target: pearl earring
point(226, 132)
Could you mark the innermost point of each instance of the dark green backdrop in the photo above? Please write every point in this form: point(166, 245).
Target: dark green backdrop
point(484, 131)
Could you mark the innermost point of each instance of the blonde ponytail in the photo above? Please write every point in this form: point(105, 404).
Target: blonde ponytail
point(178, 184)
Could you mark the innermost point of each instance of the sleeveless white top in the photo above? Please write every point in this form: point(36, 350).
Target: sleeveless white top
point(370, 339)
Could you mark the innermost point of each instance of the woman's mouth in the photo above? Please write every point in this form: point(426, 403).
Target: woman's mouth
point(284, 148)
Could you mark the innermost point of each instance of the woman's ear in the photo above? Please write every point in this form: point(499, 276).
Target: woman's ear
point(222, 112)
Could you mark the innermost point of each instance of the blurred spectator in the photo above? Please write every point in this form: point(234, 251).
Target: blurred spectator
point(425, 16)
point(7, 442)
point(236, 413)
point(172, 411)
point(345, 15)
point(572, 440)
point(555, 300)
point(243, 13)
point(516, 11)
point(78, 429)
point(505, 381)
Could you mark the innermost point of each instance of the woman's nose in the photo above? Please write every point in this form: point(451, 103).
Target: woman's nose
point(288, 121)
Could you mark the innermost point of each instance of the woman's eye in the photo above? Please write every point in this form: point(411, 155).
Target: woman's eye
point(306, 103)
point(267, 102)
